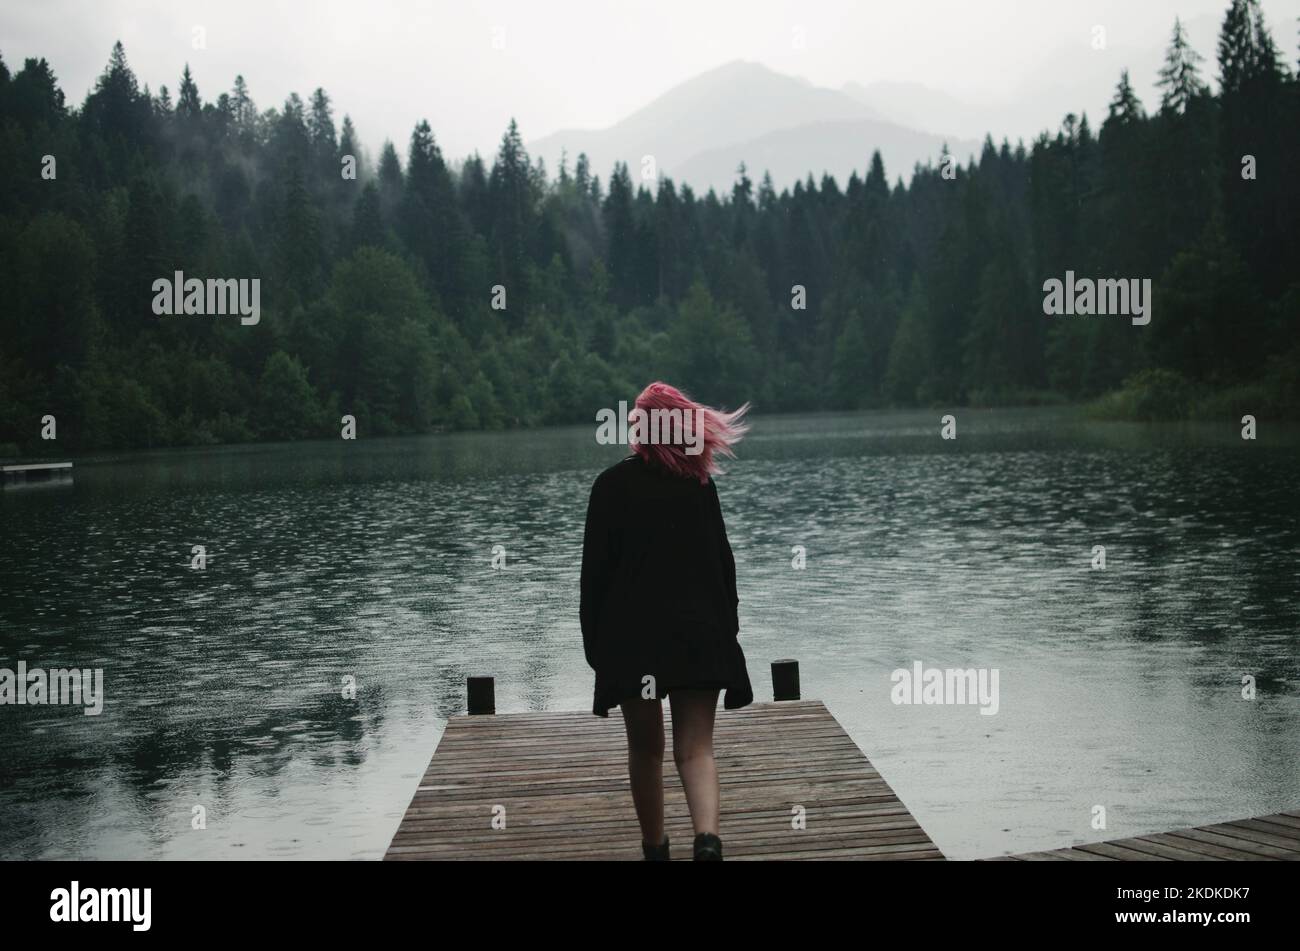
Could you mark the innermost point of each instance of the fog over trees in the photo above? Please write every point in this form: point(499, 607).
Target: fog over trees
point(377, 293)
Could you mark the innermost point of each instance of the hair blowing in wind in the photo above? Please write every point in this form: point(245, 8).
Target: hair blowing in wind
point(722, 429)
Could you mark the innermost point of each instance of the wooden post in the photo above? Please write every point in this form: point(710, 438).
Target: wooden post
point(481, 695)
point(785, 680)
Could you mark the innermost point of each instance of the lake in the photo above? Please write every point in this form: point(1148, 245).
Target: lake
point(372, 560)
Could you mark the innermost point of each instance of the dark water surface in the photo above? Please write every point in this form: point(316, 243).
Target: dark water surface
point(373, 560)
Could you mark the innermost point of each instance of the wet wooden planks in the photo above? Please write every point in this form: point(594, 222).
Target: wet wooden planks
point(559, 781)
point(1266, 838)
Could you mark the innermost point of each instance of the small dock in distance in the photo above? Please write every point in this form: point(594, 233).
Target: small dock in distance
point(1265, 839)
point(556, 785)
point(35, 473)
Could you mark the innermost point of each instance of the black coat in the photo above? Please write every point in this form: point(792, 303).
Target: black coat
point(659, 588)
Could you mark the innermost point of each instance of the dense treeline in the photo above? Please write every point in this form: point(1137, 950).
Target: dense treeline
point(377, 292)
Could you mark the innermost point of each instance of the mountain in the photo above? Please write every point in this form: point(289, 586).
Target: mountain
point(837, 147)
point(920, 107)
point(735, 103)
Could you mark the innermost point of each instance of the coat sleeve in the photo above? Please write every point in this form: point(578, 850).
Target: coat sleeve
point(728, 560)
point(598, 554)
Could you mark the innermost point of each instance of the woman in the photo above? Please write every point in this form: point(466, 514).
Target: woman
point(659, 604)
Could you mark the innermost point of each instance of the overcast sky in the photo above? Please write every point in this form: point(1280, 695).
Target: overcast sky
point(585, 63)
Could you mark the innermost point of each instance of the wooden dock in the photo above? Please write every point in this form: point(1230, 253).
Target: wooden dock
point(557, 783)
point(528, 786)
point(21, 474)
point(1267, 838)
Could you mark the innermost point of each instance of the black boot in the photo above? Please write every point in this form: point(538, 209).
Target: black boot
point(708, 848)
point(655, 853)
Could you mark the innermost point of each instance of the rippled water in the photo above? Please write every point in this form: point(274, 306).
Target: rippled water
point(372, 560)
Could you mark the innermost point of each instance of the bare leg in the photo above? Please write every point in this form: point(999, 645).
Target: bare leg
point(644, 722)
point(693, 712)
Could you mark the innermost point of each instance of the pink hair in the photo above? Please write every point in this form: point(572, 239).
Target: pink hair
point(722, 430)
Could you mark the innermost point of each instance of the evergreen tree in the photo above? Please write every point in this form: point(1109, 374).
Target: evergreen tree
point(1247, 54)
point(245, 112)
point(582, 174)
point(1125, 108)
point(349, 145)
point(368, 219)
point(298, 236)
point(429, 217)
point(189, 107)
point(1180, 77)
point(513, 194)
point(1250, 134)
point(620, 230)
point(474, 194)
point(119, 115)
point(320, 126)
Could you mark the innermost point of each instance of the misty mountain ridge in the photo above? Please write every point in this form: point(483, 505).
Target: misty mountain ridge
point(725, 107)
point(700, 130)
